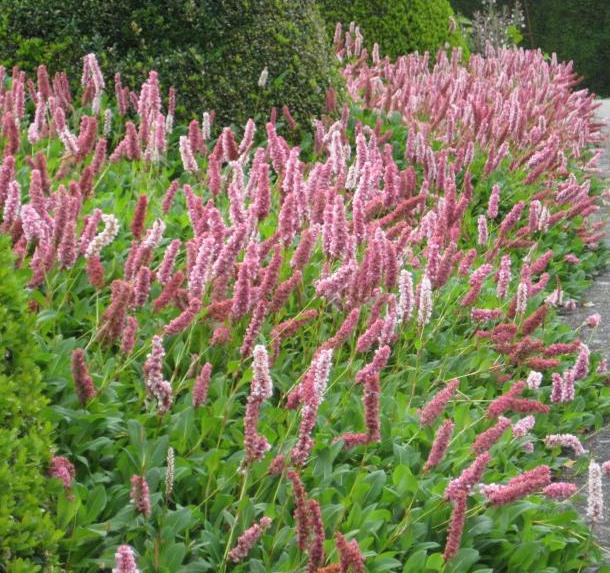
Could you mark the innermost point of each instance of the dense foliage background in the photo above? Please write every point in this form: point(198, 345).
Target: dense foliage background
point(212, 51)
point(576, 30)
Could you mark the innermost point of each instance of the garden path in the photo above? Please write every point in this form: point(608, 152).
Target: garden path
point(597, 299)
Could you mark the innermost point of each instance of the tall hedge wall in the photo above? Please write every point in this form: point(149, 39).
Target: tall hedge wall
point(27, 533)
point(212, 51)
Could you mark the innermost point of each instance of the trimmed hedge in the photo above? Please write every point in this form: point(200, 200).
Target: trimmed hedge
point(398, 26)
point(286, 36)
point(28, 536)
point(212, 51)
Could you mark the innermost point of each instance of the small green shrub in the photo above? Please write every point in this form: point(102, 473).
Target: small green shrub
point(398, 26)
point(27, 534)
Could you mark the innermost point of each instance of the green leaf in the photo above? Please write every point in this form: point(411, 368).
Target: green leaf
point(96, 502)
point(416, 562)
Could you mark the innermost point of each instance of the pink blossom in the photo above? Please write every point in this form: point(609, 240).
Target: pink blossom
point(167, 264)
point(140, 495)
point(301, 511)
point(186, 153)
point(504, 276)
point(125, 560)
point(85, 389)
point(439, 445)
point(156, 386)
point(456, 525)
point(62, 469)
point(593, 320)
point(522, 295)
point(248, 539)
point(436, 405)
point(468, 478)
point(201, 386)
point(424, 302)
point(524, 484)
point(595, 499)
point(142, 286)
point(482, 229)
point(185, 318)
point(494, 200)
point(261, 389)
point(523, 426)
point(560, 490)
point(485, 314)
point(128, 339)
point(565, 441)
point(406, 300)
point(312, 392)
point(488, 438)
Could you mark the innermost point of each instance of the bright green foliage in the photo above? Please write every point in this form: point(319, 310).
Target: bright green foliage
point(398, 26)
point(212, 51)
point(27, 533)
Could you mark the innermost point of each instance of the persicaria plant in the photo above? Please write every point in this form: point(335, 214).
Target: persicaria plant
point(337, 355)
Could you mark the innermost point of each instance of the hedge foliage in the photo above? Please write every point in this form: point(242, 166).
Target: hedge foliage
point(577, 30)
point(27, 533)
point(212, 51)
point(286, 36)
point(398, 26)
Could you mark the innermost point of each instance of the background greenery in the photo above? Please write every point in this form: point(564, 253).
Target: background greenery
point(213, 51)
point(576, 30)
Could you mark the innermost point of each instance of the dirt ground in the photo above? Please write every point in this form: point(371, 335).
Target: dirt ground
point(597, 299)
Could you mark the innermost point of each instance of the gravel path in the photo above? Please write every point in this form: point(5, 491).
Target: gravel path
point(597, 299)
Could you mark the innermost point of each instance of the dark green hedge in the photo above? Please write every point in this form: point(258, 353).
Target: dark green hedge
point(577, 30)
point(212, 51)
point(27, 533)
point(398, 26)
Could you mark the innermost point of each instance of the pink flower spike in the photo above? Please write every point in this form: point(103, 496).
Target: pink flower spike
point(261, 389)
point(488, 438)
point(140, 495)
point(248, 539)
point(83, 383)
point(560, 490)
point(565, 441)
point(593, 320)
point(125, 560)
point(595, 500)
point(62, 469)
point(523, 426)
point(439, 445)
point(201, 386)
point(435, 407)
